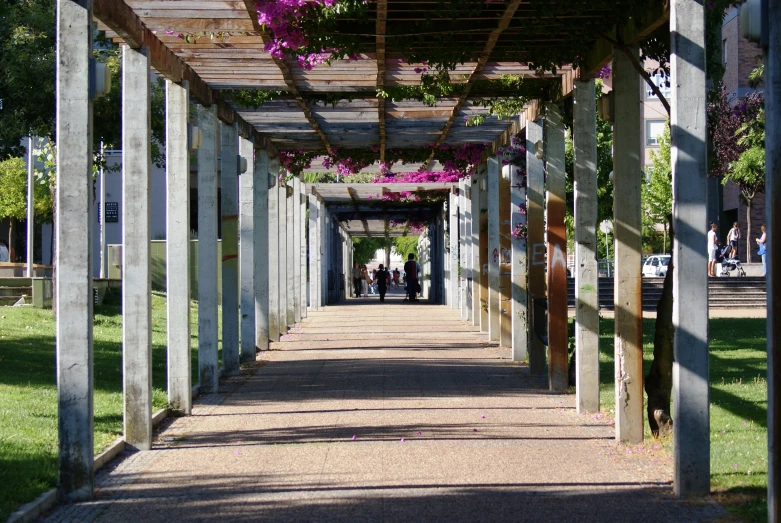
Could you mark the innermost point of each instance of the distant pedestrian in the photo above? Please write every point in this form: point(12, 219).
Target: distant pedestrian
point(373, 282)
point(411, 270)
point(4, 255)
point(396, 276)
point(732, 237)
point(365, 281)
point(713, 244)
point(382, 282)
point(762, 242)
point(357, 280)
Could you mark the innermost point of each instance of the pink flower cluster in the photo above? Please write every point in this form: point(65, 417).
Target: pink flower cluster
point(420, 177)
point(283, 19)
point(513, 154)
point(464, 157)
point(295, 162)
point(345, 166)
point(521, 231)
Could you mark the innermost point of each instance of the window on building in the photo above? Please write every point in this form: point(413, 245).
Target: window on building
point(653, 130)
point(662, 82)
point(724, 52)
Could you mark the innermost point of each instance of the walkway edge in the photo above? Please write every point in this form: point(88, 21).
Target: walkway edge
point(32, 510)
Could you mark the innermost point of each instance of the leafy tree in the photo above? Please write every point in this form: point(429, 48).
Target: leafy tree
point(657, 190)
point(748, 171)
point(404, 245)
point(13, 195)
point(364, 249)
point(736, 127)
point(26, 72)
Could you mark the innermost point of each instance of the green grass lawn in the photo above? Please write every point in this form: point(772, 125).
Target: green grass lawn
point(738, 367)
point(28, 394)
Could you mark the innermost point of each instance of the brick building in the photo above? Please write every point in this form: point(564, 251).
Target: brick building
point(740, 58)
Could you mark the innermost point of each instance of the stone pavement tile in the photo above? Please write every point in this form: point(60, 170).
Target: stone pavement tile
point(483, 439)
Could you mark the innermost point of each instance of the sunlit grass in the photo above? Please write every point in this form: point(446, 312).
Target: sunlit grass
point(738, 366)
point(28, 392)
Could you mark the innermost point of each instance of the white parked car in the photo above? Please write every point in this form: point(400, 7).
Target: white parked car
point(655, 266)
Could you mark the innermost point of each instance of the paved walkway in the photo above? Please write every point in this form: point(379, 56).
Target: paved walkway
point(387, 412)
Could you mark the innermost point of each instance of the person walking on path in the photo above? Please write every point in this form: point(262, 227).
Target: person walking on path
point(732, 237)
point(713, 242)
point(396, 276)
point(357, 280)
point(382, 282)
point(762, 242)
point(365, 281)
point(411, 268)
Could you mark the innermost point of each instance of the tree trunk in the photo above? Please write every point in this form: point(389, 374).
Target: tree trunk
point(387, 255)
point(659, 381)
point(11, 250)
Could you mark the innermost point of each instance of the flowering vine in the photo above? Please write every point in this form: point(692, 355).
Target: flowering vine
point(295, 162)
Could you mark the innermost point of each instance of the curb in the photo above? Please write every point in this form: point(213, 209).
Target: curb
point(28, 512)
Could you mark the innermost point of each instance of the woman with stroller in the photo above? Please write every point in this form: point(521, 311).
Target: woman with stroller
point(732, 238)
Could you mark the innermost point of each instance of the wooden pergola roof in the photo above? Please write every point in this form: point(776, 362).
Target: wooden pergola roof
point(235, 59)
point(361, 210)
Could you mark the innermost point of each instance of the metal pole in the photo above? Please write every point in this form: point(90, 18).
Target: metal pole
point(102, 215)
point(30, 207)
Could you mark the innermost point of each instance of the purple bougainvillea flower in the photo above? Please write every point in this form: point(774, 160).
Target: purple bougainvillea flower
point(355, 437)
point(474, 430)
point(402, 440)
point(483, 416)
point(420, 433)
point(735, 466)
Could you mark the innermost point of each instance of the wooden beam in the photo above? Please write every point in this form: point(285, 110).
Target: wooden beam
point(481, 61)
point(354, 195)
point(122, 20)
point(635, 30)
point(382, 18)
point(289, 81)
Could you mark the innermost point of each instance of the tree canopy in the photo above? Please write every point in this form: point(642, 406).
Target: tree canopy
point(13, 192)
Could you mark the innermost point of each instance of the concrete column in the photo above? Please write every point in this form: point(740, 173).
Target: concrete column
point(136, 260)
point(296, 290)
point(535, 240)
point(773, 255)
point(463, 247)
point(691, 430)
point(520, 292)
point(494, 293)
point(474, 251)
point(484, 251)
point(283, 260)
point(453, 231)
point(314, 252)
point(208, 362)
point(558, 340)
point(505, 255)
point(177, 156)
point(302, 221)
point(586, 273)
point(273, 255)
point(260, 257)
point(74, 262)
point(292, 262)
point(229, 216)
point(247, 235)
point(628, 251)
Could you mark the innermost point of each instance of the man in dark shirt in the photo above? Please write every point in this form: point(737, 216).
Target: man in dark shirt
point(357, 280)
point(411, 270)
point(382, 282)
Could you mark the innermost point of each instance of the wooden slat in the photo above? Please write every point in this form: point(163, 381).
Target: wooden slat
point(122, 20)
point(484, 56)
point(291, 85)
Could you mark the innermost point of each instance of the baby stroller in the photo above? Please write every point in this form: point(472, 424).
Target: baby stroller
point(728, 264)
